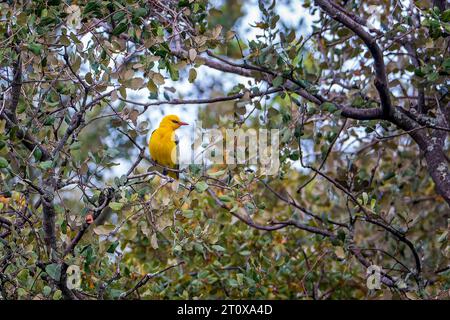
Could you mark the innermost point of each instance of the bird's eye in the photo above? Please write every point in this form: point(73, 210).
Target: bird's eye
point(174, 121)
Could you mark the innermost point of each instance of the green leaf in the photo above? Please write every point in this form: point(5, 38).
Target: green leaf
point(112, 247)
point(233, 283)
point(341, 235)
point(365, 198)
point(104, 229)
point(121, 27)
point(54, 271)
point(217, 173)
point(47, 21)
point(432, 76)
point(443, 237)
point(291, 36)
point(64, 41)
point(64, 227)
point(36, 48)
point(112, 152)
point(188, 213)
point(49, 121)
point(201, 186)
point(218, 248)
point(22, 19)
point(57, 295)
point(195, 169)
point(115, 293)
point(272, 112)
point(22, 276)
point(446, 64)
point(91, 6)
point(445, 16)
point(278, 81)
point(177, 249)
point(46, 291)
point(328, 106)
point(118, 16)
point(21, 292)
point(192, 75)
point(419, 72)
point(75, 146)
point(116, 206)
point(37, 154)
point(183, 3)
point(245, 253)
point(139, 12)
point(249, 206)
point(151, 86)
point(225, 198)
point(3, 163)
point(389, 176)
point(45, 165)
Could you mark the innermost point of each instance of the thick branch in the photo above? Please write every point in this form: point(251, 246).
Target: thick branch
point(48, 221)
point(200, 101)
point(9, 114)
point(249, 71)
point(432, 149)
point(16, 87)
point(381, 82)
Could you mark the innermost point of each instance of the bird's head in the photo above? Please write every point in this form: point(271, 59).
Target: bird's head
point(172, 121)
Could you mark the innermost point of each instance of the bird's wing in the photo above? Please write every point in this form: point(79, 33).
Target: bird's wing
point(162, 144)
point(177, 162)
point(151, 147)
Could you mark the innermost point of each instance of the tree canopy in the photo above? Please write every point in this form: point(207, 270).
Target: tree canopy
point(359, 91)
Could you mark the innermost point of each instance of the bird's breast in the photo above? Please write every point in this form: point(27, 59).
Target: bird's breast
point(162, 143)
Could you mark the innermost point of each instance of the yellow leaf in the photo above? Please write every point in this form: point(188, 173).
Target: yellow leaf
point(216, 32)
point(340, 253)
point(136, 83)
point(412, 296)
point(192, 75)
point(158, 79)
point(154, 241)
point(192, 54)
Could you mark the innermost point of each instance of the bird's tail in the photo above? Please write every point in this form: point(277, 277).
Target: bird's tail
point(172, 174)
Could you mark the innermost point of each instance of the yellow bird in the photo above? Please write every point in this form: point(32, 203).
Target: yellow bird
point(163, 144)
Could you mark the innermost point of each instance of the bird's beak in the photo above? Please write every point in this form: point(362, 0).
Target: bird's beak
point(181, 123)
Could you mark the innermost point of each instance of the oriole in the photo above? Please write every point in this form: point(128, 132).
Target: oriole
point(163, 144)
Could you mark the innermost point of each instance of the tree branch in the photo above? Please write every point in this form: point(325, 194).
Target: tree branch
point(105, 199)
point(381, 82)
point(247, 70)
point(148, 277)
point(48, 221)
